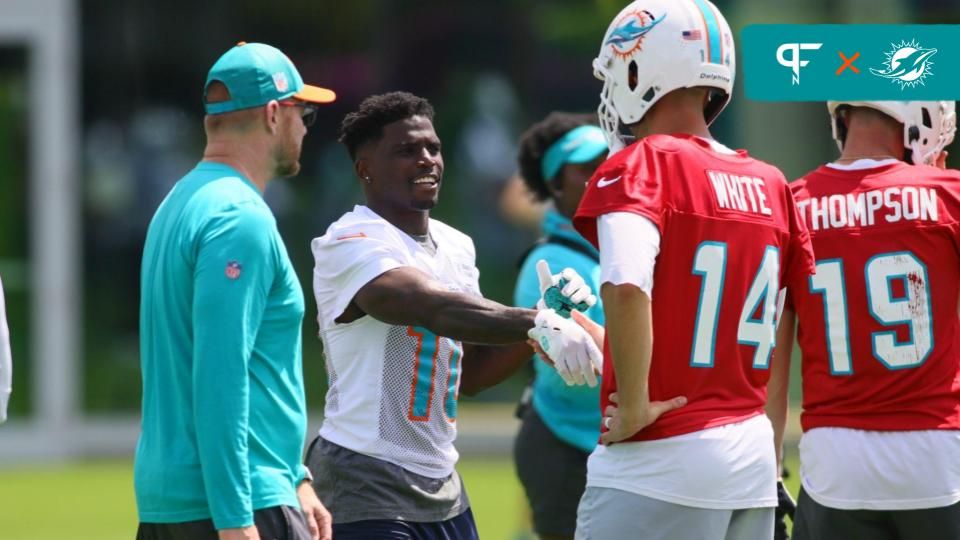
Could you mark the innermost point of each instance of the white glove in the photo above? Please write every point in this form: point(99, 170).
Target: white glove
point(574, 290)
point(575, 356)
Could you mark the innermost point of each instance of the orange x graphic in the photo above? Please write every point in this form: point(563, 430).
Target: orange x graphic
point(848, 63)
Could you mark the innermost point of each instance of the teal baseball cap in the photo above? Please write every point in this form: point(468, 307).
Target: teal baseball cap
point(255, 74)
point(579, 145)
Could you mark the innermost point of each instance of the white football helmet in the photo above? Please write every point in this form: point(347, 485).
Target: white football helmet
point(653, 47)
point(928, 126)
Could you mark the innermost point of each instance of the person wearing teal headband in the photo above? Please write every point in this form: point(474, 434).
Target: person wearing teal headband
point(560, 424)
point(579, 145)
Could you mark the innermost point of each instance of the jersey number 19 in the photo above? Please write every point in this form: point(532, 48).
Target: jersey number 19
point(912, 308)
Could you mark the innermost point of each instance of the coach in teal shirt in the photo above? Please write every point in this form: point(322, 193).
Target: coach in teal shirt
point(224, 416)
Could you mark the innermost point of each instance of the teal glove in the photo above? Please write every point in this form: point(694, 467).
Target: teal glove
point(555, 300)
point(563, 292)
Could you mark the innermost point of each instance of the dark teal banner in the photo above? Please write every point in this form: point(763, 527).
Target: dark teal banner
point(821, 62)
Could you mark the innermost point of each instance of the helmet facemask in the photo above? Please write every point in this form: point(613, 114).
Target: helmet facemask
point(607, 113)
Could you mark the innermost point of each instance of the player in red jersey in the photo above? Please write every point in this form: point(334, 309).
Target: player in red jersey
point(878, 329)
point(717, 232)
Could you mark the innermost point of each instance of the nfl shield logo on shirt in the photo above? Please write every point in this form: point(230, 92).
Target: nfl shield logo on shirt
point(233, 270)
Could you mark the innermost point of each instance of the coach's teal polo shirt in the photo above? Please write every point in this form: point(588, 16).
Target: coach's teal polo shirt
point(224, 416)
point(571, 412)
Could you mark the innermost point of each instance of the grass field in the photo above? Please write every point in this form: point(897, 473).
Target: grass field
point(94, 501)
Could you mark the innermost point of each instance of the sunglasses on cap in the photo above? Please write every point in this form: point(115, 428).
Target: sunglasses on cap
point(309, 113)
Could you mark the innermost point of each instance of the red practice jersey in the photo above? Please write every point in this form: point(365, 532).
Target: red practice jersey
point(878, 322)
point(730, 235)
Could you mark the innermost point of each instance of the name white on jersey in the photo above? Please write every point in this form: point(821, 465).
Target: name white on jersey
point(865, 209)
point(743, 193)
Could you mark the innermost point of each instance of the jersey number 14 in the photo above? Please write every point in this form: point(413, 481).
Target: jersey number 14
point(757, 326)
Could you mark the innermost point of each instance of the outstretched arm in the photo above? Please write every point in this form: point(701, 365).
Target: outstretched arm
point(486, 365)
point(403, 295)
point(407, 296)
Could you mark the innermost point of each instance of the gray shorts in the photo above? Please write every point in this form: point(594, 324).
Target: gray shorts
point(357, 487)
point(606, 513)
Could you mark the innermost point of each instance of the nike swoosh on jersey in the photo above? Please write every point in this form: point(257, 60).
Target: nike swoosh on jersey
point(603, 182)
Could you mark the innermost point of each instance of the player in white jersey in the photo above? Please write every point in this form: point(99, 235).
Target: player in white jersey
point(400, 314)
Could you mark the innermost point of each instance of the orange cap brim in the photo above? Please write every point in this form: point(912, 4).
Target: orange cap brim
point(315, 94)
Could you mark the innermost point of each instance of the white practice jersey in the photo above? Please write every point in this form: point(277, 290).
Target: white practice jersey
point(393, 389)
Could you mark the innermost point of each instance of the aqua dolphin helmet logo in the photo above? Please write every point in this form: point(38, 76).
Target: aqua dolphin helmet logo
point(907, 64)
point(628, 35)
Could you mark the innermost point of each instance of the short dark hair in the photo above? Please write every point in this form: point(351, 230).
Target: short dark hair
point(367, 122)
point(537, 139)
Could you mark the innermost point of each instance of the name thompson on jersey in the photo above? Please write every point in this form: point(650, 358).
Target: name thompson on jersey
point(866, 208)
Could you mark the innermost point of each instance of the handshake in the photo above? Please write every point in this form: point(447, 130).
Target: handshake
point(570, 347)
